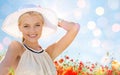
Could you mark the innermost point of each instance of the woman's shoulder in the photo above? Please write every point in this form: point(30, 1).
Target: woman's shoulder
point(16, 46)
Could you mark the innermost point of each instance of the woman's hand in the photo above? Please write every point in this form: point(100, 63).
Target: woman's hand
point(68, 25)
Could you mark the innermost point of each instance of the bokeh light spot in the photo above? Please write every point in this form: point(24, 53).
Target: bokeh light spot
point(116, 27)
point(100, 11)
point(77, 14)
point(81, 3)
point(97, 32)
point(91, 25)
point(6, 41)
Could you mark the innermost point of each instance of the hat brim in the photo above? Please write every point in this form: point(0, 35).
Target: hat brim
point(10, 25)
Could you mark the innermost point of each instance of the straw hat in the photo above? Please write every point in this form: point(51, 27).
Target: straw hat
point(10, 25)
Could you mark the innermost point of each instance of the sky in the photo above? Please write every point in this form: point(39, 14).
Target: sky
point(99, 37)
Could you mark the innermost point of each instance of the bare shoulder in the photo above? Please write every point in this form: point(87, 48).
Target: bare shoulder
point(15, 44)
point(16, 47)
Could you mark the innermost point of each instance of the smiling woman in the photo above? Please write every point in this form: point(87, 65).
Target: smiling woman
point(27, 57)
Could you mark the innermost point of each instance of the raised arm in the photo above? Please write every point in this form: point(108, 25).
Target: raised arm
point(10, 58)
point(57, 48)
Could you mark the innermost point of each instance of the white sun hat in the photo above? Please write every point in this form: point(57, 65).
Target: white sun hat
point(10, 25)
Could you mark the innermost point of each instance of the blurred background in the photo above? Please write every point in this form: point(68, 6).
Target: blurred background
point(99, 36)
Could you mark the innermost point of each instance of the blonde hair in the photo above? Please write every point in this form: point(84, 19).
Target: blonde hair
point(31, 13)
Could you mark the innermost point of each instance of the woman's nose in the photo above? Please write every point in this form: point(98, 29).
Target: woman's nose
point(32, 30)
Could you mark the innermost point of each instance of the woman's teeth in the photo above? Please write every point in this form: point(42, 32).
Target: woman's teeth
point(33, 35)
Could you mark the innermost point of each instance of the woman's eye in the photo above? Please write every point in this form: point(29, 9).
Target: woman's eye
point(25, 26)
point(37, 25)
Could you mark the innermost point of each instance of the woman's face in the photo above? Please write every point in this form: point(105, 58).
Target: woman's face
point(31, 26)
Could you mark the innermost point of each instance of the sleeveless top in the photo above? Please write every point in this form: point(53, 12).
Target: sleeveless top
point(34, 62)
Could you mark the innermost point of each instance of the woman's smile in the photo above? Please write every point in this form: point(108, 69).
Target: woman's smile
point(32, 35)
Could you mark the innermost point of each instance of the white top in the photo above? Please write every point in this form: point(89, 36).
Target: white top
point(35, 63)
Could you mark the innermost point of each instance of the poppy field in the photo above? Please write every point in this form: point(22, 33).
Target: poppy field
point(68, 66)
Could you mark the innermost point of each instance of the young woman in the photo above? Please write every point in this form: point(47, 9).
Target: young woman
point(28, 57)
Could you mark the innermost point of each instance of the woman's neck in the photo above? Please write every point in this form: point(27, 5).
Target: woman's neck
point(33, 45)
